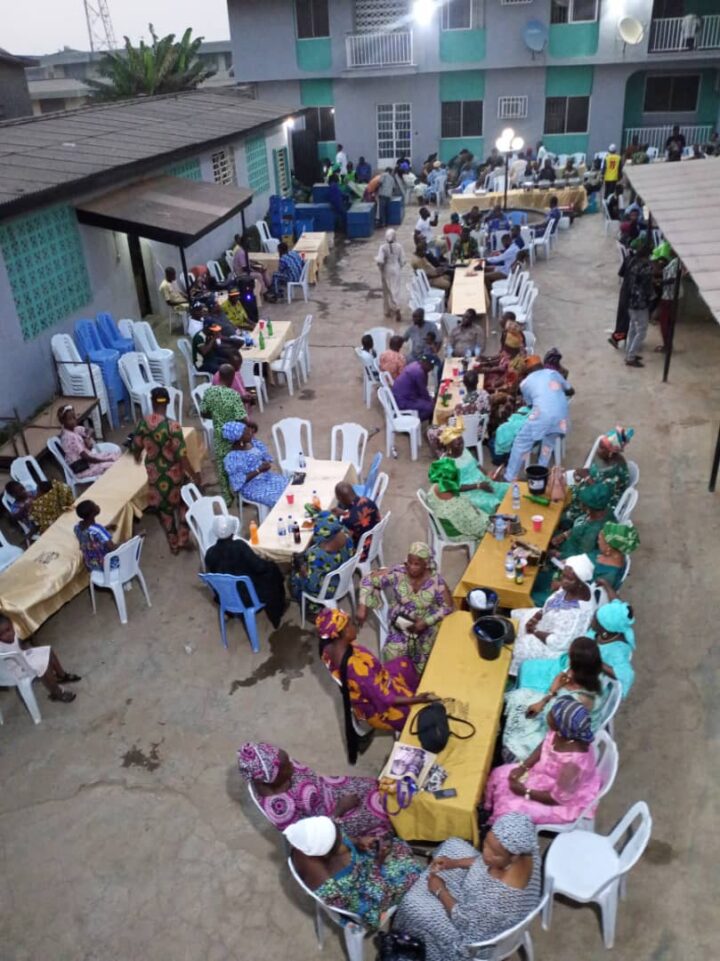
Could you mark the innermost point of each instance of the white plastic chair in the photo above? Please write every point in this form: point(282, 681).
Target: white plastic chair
point(605, 721)
point(370, 377)
point(381, 338)
point(386, 379)
point(27, 471)
point(71, 478)
point(431, 309)
point(524, 311)
point(195, 376)
point(544, 242)
point(378, 491)
point(135, 373)
point(399, 422)
point(634, 472)
point(197, 394)
point(606, 757)
point(592, 868)
point(508, 943)
point(436, 535)
point(375, 550)
point(190, 493)
point(9, 553)
point(270, 244)
point(215, 270)
point(288, 363)
point(429, 295)
point(23, 684)
point(292, 436)
point(520, 298)
point(626, 505)
point(252, 375)
point(513, 293)
point(120, 567)
point(174, 408)
point(508, 287)
point(77, 379)
point(342, 578)
point(201, 518)
point(354, 931)
point(349, 442)
point(305, 348)
point(161, 359)
point(609, 225)
point(303, 283)
point(530, 341)
point(474, 434)
point(125, 327)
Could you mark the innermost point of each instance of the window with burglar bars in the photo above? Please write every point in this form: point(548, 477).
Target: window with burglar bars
point(512, 108)
point(456, 15)
point(256, 162)
point(461, 118)
point(223, 166)
point(311, 19)
point(321, 120)
point(281, 163)
point(394, 123)
point(566, 114)
point(374, 16)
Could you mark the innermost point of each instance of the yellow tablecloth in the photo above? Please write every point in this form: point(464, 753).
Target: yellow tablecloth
point(486, 569)
point(468, 290)
point(273, 345)
point(314, 246)
point(321, 476)
point(539, 199)
point(51, 572)
point(441, 413)
point(456, 670)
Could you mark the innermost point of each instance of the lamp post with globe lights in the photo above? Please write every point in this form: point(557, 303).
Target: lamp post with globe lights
point(506, 144)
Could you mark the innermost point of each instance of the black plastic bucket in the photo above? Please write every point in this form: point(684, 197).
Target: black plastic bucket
point(482, 606)
point(492, 633)
point(537, 478)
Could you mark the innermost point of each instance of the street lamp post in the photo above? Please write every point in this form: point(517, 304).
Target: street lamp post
point(508, 143)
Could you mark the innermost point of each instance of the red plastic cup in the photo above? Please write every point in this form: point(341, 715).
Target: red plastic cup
point(261, 324)
point(456, 371)
point(537, 522)
point(290, 498)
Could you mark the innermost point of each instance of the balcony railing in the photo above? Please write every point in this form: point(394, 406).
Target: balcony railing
point(656, 136)
point(391, 49)
point(677, 34)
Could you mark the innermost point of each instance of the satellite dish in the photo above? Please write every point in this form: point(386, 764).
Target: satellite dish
point(631, 31)
point(535, 35)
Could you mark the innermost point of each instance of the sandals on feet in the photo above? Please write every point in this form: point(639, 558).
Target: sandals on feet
point(65, 696)
point(69, 679)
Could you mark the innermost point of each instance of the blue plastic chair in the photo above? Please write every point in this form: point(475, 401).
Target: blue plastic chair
point(517, 217)
point(89, 344)
point(226, 589)
point(366, 489)
point(110, 335)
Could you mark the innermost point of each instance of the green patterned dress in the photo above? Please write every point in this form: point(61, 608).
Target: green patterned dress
point(222, 405)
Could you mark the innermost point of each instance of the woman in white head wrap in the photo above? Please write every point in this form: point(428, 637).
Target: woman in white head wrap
point(549, 630)
point(367, 876)
point(391, 260)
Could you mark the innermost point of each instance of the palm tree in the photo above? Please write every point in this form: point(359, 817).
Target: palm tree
point(165, 66)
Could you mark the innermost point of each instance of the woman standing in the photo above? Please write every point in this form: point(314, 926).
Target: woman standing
point(85, 458)
point(391, 260)
point(166, 462)
point(421, 599)
point(248, 466)
point(222, 404)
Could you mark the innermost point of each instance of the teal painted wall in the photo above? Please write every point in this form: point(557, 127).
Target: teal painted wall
point(707, 109)
point(314, 54)
point(449, 146)
point(462, 85)
point(462, 46)
point(316, 93)
point(566, 142)
point(568, 81)
point(574, 39)
point(709, 99)
point(327, 148)
point(634, 94)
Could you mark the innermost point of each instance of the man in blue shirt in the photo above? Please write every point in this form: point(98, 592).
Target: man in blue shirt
point(363, 171)
point(553, 217)
point(289, 269)
point(496, 220)
point(501, 264)
point(546, 392)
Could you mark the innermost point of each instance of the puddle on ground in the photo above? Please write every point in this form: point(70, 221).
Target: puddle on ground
point(136, 757)
point(306, 395)
point(291, 650)
point(659, 852)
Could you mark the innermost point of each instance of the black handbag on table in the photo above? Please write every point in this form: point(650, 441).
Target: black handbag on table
point(431, 726)
point(394, 946)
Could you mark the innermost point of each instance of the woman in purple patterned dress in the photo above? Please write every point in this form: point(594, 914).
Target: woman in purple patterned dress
point(288, 792)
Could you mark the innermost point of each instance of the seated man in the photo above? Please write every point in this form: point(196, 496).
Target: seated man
point(516, 236)
point(553, 217)
point(496, 220)
point(547, 171)
point(437, 275)
point(501, 264)
point(289, 269)
point(416, 334)
point(473, 218)
point(363, 171)
point(467, 336)
point(208, 350)
point(358, 514)
point(235, 312)
point(241, 260)
point(466, 248)
point(410, 390)
point(170, 292)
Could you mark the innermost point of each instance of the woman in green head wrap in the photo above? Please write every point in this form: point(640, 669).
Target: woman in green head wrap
point(615, 542)
point(608, 466)
point(457, 516)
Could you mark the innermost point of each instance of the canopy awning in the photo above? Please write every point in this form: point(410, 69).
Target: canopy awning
point(171, 210)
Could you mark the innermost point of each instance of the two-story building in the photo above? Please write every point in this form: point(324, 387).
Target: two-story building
point(392, 77)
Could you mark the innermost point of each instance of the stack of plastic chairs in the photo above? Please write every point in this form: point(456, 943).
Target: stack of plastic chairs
point(76, 379)
point(91, 347)
point(111, 336)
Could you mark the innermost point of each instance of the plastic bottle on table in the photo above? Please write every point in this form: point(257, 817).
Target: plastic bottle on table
point(448, 351)
point(315, 500)
point(270, 328)
point(254, 539)
point(516, 496)
point(296, 532)
point(510, 566)
point(281, 529)
point(519, 571)
point(301, 461)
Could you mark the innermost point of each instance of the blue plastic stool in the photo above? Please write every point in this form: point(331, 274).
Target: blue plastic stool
point(111, 337)
point(91, 347)
point(225, 587)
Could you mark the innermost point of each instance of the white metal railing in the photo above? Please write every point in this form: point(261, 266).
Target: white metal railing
point(656, 136)
point(390, 49)
point(672, 34)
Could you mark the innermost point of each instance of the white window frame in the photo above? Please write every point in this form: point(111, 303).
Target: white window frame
point(445, 15)
point(397, 108)
point(223, 166)
point(566, 132)
point(513, 3)
point(512, 108)
point(683, 76)
point(571, 14)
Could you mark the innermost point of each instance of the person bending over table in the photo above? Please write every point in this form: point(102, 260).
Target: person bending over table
point(39, 662)
point(458, 518)
point(288, 792)
point(465, 897)
point(475, 486)
point(410, 390)
point(330, 547)
point(248, 466)
point(549, 630)
point(85, 458)
point(364, 876)
point(94, 539)
point(222, 405)
point(559, 780)
point(420, 601)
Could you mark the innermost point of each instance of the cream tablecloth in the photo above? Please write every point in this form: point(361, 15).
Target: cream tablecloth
point(273, 345)
point(442, 413)
point(539, 199)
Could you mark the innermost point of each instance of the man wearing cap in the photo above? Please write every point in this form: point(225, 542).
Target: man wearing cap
point(208, 351)
point(611, 170)
point(235, 312)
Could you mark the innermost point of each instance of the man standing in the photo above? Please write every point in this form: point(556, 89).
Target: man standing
point(611, 170)
point(675, 144)
point(385, 191)
point(641, 293)
point(341, 160)
point(546, 392)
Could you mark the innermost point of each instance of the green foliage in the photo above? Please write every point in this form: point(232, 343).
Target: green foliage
point(164, 66)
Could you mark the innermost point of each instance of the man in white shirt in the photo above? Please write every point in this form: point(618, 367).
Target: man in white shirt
point(424, 227)
point(341, 159)
point(502, 263)
point(170, 292)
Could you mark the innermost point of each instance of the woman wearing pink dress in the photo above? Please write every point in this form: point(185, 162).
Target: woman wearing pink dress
point(559, 781)
point(84, 456)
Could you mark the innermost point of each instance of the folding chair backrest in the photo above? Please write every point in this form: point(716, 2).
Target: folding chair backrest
point(381, 338)
point(55, 448)
point(135, 371)
point(634, 472)
point(201, 516)
point(626, 505)
point(372, 474)
point(64, 348)
point(126, 328)
point(635, 845)
point(190, 493)
point(378, 491)
point(185, 349)
point(291, 436)
point(348, 442)
point(375, 536)
point(144, 337)
point(335, 913)
point(197, 394)
point(342, 577)
point(611, 704)
point(388, 402)
point(606, 753)
point(226, 586)
point(215, 270)
point(122, 563)
point(20, 667)
point(27, 471)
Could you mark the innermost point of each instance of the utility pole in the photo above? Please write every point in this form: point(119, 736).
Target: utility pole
point(99, 24)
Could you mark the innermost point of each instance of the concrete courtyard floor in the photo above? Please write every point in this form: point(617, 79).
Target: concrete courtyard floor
point(125, 830)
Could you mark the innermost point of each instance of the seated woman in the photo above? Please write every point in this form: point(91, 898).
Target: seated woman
point(40, 662)
point(475, 401)
point(465, 897)
point(612, 470)
point(378, 694)
point(455, 514)
point(475, 485)
point(365, 876)
point(549, 630)
point(527, 708)
point(288, 792)
point(505, 369)
point(420, 600)
point(84, 456)
point(559, 781)
point(615, 542)
point(248, 464)
point(20, 503)
point(331, 546)
point(612, 628)
point(52, 500)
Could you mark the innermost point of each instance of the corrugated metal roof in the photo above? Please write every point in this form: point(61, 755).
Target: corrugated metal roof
point(48, 157)
point(684, 200)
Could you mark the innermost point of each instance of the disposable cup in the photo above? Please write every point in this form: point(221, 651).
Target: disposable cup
point(290, 498)
point(537, 522)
